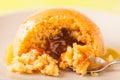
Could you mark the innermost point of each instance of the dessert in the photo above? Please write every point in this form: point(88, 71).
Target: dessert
point(55, 39)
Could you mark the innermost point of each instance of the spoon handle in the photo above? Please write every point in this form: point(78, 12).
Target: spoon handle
point(107, 65)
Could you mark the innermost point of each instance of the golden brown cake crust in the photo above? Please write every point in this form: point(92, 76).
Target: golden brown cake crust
point(60, 18)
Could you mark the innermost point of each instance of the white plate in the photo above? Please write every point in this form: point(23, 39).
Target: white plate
point(108, 23)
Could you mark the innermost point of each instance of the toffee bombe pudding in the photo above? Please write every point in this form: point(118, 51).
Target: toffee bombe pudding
point(55, 39)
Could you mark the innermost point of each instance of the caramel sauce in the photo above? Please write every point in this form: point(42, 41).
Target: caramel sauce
point(58, 44)
point(111, 54)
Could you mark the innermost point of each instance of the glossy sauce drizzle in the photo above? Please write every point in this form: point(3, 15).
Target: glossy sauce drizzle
point(58, 44)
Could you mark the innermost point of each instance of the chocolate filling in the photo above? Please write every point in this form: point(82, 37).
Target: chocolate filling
point(58, 44)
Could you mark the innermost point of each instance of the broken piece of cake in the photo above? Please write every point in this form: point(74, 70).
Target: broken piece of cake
point(55, 39)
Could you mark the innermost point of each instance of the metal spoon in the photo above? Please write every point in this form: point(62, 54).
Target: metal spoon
point(104, 63)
